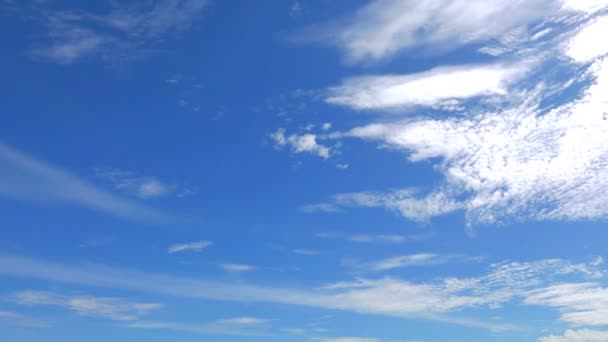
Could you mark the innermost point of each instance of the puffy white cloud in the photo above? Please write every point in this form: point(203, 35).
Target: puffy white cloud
point(584, 335)
point(305, 143)
point(590, 43)
point(196, 246)
point(442, 87)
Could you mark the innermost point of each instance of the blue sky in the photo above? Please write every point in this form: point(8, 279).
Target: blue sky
point(311, 170)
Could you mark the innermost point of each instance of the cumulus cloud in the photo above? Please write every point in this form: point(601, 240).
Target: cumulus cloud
point(442, 87)
point(590, 42)
point(110, 308)
point(382, 28)
point(196, 246)
point(305, 143)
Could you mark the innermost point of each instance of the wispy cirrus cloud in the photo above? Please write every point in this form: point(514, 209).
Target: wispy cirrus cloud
point(110, 308)
point(196, 246)
point(503, 283)
point(404, 261)
point(240, 326)
point(118, 33)
point(383, 28)
point(307, 252)
point(24, 178)
point(237, 268)
point(536, 152)
point(384, 239)
point(347, 339)
point(444, 87)
point(143, 187)
point(17, 319)
point(407, 202)
point(584, 335)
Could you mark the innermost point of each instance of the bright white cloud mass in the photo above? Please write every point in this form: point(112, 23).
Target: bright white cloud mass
point(380, 29)
point(189, 170)
point(535, 152)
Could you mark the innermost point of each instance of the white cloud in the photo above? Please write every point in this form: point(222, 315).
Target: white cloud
point(76, 34)
point(518, 162)
point(242, 326)
point(237, 268)
point(25, 178)
point(402, 261)
point(110, 308)
point(403, 201)
point(139, 186)
point(580, 304)
point(20, 320)
point(347, 339)
point(386, 239)
point(435, 300)
point(383, 239)
point(584, 335)
point(590, 43)
point(308, 252)
point(305, 143)
point(383, 28)
point(442, 87)
point(196, 246)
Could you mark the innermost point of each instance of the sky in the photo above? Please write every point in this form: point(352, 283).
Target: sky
point(304, 170)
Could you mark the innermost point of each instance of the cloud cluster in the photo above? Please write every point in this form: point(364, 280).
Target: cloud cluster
point(304, 143)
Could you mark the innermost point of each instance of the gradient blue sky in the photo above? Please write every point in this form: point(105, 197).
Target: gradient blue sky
point(310, 170)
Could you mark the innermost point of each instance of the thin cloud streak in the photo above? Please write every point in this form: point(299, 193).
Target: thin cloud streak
point(24, 178)
point(504, 283)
